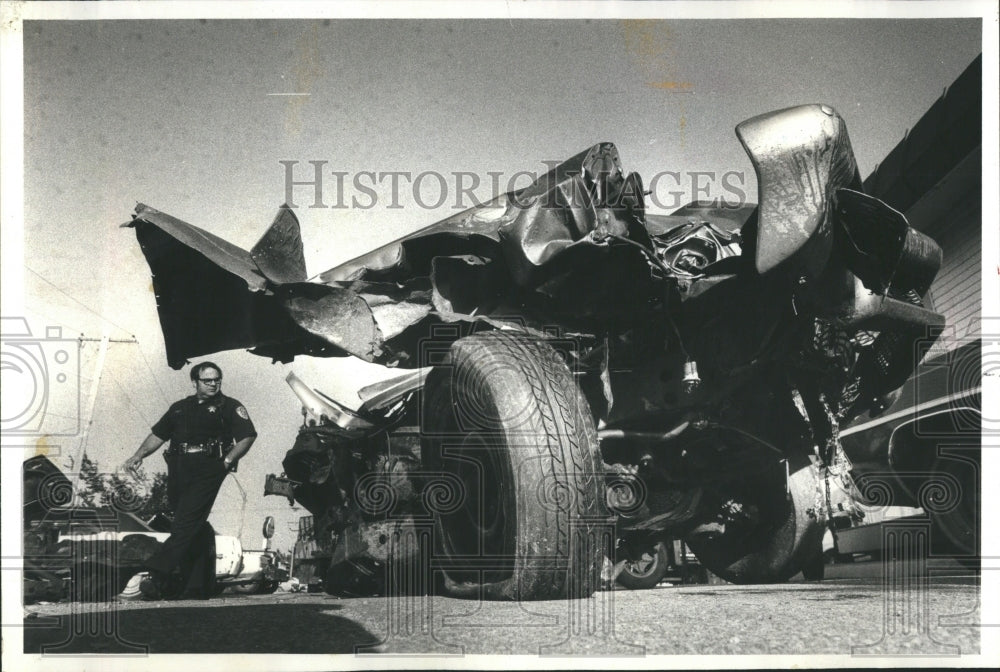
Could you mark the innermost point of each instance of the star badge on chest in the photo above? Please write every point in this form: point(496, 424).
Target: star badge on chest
point(212, 409)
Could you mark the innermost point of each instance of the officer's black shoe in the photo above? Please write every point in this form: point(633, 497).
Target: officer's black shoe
point(149, 589)
point(152, 587)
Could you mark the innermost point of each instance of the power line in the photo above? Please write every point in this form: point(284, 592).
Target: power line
point(128, 397)
point(117, 432)
point(51, 320)
point(84, 339)
point(75, 300)
point(50, 414)
point(156, 379)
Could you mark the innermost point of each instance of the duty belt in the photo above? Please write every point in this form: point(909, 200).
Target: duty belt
point(213, 448)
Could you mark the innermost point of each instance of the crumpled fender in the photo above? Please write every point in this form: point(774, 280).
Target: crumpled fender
point(541, 256)
point(802, 155)
point(528, 228)
point(212, 295)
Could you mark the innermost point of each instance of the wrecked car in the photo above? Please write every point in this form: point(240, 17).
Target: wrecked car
point(578, 377)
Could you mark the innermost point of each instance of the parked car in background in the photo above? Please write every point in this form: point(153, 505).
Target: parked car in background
point(664, 559)
point(94, 553)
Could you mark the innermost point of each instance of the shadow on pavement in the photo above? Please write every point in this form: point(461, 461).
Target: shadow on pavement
point(273, 628)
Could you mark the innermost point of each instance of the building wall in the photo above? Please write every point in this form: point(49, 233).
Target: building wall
point(934, 177)
point(957, 289)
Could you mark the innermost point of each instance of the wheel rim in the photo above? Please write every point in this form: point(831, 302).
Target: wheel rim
point(643, 566)
point(772, 548)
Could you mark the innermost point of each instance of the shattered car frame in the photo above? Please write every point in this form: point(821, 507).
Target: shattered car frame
point(580, 377)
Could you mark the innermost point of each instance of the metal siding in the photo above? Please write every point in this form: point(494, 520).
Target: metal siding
point(929, 173)
point(956, 291)
point(937, 143)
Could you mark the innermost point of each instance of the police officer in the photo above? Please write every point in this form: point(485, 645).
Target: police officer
point(208, 434)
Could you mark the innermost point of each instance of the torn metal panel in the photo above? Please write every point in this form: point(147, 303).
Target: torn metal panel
point(395, 318)
point(882, 248)
point(325, 409)
point(395, 307)
point(540, 246)
point(476, 226)
point(222, 253)
point(208, 294)
point(574, 250)
point(384, 392)
point(527, 228)
point(802, 155)
point(729, 217)
point(278, 254)
point(339, 316)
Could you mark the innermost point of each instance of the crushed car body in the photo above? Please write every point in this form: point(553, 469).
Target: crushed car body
point(573, 367)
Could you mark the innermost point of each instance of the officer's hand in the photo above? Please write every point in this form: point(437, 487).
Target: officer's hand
point(132, 463)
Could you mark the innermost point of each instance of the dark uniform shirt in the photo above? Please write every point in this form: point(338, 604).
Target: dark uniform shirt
point(196, 421)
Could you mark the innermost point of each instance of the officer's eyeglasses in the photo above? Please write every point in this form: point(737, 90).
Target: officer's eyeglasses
point(210, 381)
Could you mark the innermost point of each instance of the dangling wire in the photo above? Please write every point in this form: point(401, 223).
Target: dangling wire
point(74, 299)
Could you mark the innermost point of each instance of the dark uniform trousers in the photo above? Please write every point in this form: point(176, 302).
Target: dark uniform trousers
point(193, 482)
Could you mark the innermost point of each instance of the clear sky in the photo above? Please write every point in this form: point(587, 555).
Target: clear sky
point(182, 116)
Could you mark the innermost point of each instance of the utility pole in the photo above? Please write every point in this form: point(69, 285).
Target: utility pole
point(243, 508)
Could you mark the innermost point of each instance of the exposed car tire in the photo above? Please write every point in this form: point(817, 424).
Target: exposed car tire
point(513, 442)
point(780, 545)
point(647, 571)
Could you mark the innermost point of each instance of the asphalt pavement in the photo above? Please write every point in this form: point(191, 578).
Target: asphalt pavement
point(886, 613)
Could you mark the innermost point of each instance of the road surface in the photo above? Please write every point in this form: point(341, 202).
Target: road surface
point(891, 614)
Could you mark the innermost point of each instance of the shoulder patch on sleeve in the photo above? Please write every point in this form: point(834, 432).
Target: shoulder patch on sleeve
point(242, 412)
